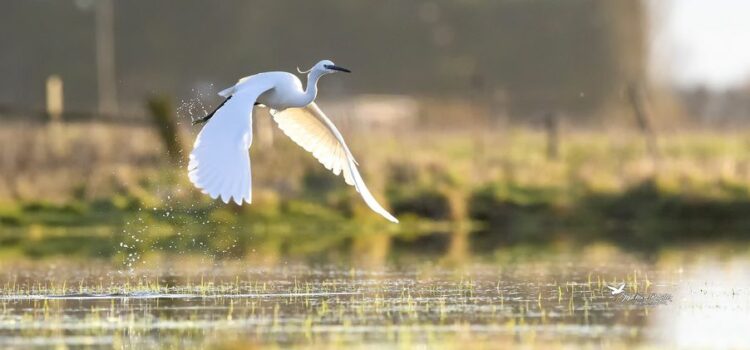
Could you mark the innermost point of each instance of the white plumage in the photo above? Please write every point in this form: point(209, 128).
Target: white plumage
point(220, 164)
point(305, 127)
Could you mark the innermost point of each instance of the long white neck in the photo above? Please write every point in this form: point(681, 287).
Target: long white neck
point(311, 91)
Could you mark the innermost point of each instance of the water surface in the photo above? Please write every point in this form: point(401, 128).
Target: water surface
point(539, 303)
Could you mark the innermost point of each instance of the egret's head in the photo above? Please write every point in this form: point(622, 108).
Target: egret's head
point(325, 67)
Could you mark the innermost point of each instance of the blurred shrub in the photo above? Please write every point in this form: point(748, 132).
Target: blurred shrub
point(67, 208)
point(319, 180)
point(424, 202)
point(164, 118)
point(10, 215)
point(420, 189)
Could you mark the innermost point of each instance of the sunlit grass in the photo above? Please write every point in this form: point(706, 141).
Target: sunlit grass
point(92, 193)
point(92, 161)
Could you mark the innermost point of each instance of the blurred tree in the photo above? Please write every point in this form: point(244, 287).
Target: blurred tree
point(572, 55)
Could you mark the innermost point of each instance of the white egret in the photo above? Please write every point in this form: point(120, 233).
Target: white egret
point(618, 290)
point(220, 163)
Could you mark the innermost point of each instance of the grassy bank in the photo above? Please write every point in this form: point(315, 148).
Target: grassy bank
point(99, 190)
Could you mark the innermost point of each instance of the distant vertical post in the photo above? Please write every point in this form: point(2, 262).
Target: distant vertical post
point(55, 108)
point(105, 57)
point(552, 127)
point(54, 98)
point(643, 116)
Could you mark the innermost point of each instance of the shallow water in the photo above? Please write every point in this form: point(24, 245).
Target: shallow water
point(540, 304)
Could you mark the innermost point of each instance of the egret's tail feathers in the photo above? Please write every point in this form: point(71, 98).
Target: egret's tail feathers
point(227, 92)
point(371, 202)
point(222, 176)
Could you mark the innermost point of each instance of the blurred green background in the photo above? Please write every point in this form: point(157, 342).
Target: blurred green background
point(483, 125)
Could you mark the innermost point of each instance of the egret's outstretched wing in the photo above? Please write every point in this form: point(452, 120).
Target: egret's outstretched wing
point(312, 130)
point(220, 163)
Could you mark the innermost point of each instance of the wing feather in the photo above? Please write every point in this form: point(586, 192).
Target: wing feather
point(219, 163)
point(311, 129)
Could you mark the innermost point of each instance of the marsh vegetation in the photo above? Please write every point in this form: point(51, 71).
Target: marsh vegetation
point(105, 245)
point(83, 188)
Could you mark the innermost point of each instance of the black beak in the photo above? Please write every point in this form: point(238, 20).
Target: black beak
point(340, 69)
